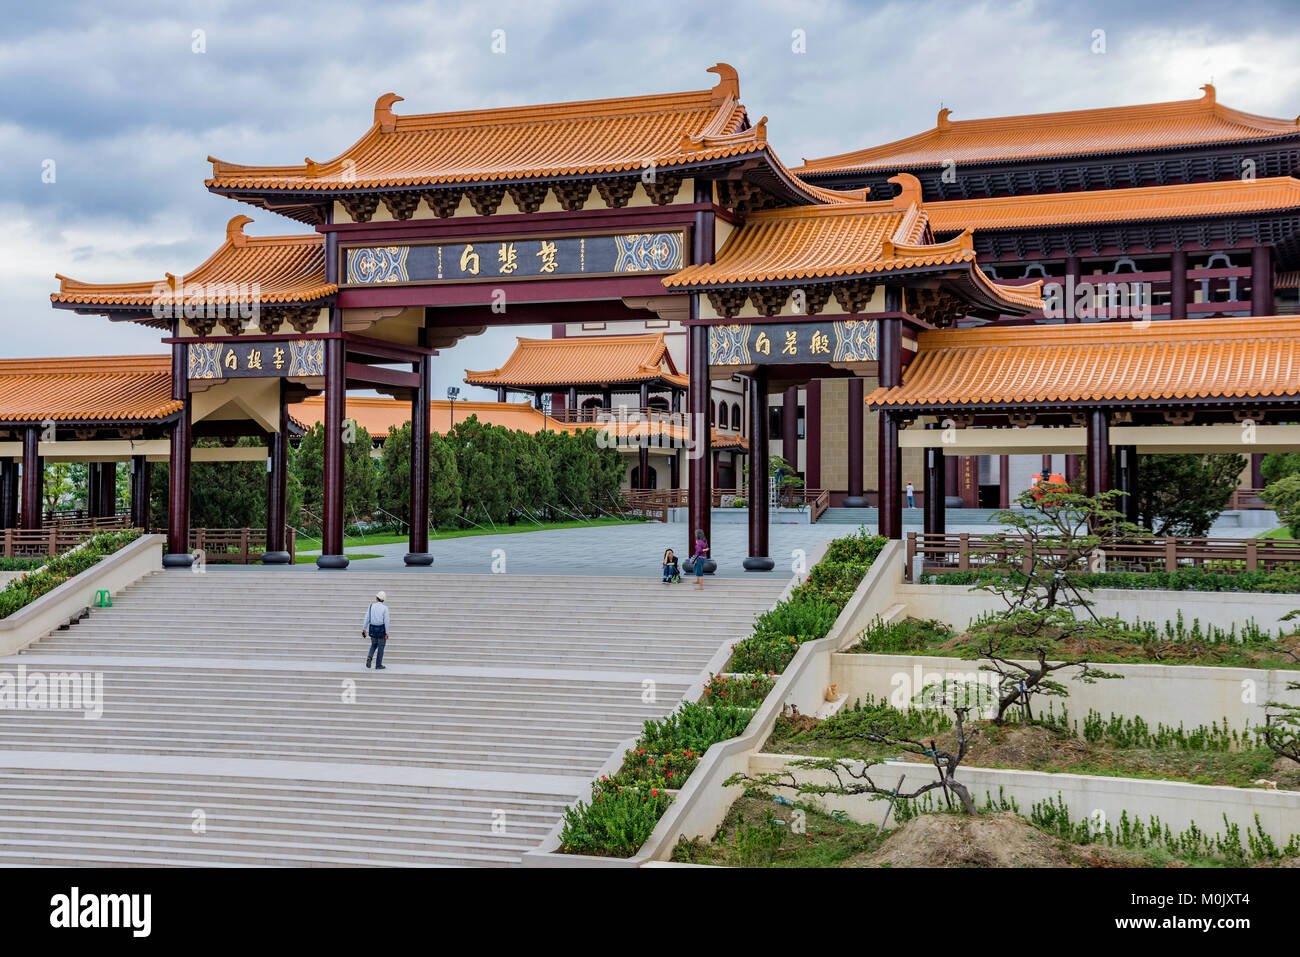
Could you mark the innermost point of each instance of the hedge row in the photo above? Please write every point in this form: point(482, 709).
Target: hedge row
point(24, 590)
point(625, 807)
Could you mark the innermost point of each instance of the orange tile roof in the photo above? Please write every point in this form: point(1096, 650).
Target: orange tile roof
point(1075, 132)
point(376, 415)
point(584, 360)
point(89, 389)
point(515, 143)
point(286, 269)
point(1115, 205)
point(1100, 362)
point(1287, 280)
point(844, 241)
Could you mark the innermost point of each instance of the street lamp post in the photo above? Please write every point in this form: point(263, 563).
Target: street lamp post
point(452, 393)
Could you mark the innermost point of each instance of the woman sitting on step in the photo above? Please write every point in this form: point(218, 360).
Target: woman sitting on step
point(672, 573)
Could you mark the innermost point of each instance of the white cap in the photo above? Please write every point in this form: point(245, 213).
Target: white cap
point(381, 596)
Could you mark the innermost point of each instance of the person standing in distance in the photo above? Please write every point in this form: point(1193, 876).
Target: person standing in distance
point(376, 629)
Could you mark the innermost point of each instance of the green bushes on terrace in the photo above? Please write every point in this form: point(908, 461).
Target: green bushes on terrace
point(23, 591)
point(1182, 579)
point(625, 806)
point(812, 607)
point(20, 564)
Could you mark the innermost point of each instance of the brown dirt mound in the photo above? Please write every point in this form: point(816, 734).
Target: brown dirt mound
point(995, 840)
point(1024, 746)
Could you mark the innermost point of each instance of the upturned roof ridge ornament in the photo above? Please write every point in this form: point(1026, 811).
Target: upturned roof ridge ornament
point(943, 123)
point(1209, 96)
point(385, 119)
point(235, 231)
point(728, 85)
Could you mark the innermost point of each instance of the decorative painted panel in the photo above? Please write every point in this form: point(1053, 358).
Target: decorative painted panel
point(262, 359)
point(497, 260)
point(849, 340)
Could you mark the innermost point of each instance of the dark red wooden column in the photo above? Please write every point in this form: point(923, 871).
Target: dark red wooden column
point(790, 426)
point(32, 477)
point(854, 498)
point(1004, 481)
point(889, 500)
point(140, 491)
point(1178, 284)
point(1261, 281)
point(418, 541)
point(936, 486)
point(643, 452)
point(1126, 470)
point(277, 485)
point(178, 471)
point(697, 402)
point(8, 493)
point(758, 560)
point(812, 443)
point(1073, 267)
point(107, 489)
point(332, 555)
point(93, 489)
point(1097, 479)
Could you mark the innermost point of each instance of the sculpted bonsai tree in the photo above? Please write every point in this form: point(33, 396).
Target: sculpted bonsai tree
point(1039, 572)
point(1281, 732)
point(901, 730)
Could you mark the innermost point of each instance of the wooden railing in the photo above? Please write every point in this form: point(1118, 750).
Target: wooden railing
point(237, 546)
point(1247, 498)
point(41, 542)
point(654, 503)
point(60, 520)
point(963, 552)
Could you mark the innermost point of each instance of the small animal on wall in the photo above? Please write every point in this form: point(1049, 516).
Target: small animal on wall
point(832, 692)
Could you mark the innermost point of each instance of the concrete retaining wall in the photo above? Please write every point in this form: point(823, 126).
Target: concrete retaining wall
point(1177, 804)
point(55, 608)
point(958, 606)
point(1169, 694)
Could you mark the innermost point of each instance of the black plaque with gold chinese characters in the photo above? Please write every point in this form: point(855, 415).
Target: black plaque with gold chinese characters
point(525, 258)
point(266, 358)
point(796, 341)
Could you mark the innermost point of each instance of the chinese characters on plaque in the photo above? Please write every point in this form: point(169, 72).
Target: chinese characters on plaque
point(267, 358)
point(798, 340)
point(518, 258)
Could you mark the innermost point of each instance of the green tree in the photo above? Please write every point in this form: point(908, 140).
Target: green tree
point(534, 483)
point(485, 458)
point(1184, 494)
point(393, 489)
point(360, 475)
point(1278, 465)
point(58, 489)
point(1284, 496)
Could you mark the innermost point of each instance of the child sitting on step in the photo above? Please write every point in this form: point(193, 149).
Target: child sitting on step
point(672, 573)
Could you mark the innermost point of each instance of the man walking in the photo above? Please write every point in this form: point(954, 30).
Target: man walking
point(911, 496)
point(376, 629)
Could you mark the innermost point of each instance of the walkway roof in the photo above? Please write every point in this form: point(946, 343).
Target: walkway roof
point(90, 390)
point(1174, 362)
point(595, 361)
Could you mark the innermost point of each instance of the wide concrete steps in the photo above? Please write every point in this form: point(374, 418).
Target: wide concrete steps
point(242, 694)
point(119, 819)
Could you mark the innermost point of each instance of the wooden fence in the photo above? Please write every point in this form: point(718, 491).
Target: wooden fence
point(237, 546)
point(962, 552)
point(655, 503)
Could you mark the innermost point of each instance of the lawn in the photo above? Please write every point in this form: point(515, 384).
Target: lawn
point(311, 559)
point(353, 541)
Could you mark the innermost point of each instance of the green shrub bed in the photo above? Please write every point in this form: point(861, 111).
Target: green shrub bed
point(625, 806)
point(20, 564)
point(1182, 579)
point(24, 590)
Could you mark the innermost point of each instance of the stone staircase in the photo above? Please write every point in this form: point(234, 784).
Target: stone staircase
point(242, 694)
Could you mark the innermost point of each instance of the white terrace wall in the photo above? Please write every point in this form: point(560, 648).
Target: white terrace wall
point(1176, 803)
point(958, 605)
point(112, 573)
point(1165, 694)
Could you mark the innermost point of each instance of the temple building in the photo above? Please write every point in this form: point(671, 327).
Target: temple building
point(898, 314)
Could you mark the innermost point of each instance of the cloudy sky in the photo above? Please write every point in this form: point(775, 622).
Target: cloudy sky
point(128, 98)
